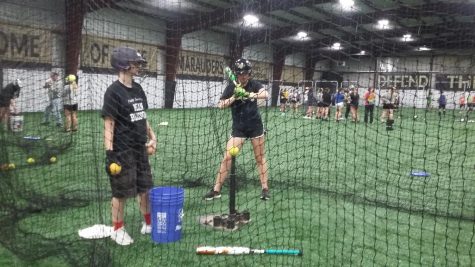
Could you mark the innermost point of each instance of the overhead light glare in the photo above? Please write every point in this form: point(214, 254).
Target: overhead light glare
point(347, 4)
point(424, 48)
point(302, 35)
point(407, 38)
point(251, 19)
point(336, 46)
point(383, 24)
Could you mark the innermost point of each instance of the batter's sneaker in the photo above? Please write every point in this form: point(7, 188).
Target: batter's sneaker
point(212, 195)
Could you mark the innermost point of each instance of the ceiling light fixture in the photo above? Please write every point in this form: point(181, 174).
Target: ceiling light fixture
point(407, 38)
point(383, 24)
point(336, 46)
point(251, 19)
point(347, 3)
point(302, 35)
point(424, 48)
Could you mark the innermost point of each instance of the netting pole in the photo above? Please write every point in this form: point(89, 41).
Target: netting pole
point(232, 187)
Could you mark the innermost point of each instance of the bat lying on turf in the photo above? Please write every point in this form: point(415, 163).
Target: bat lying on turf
point(207, 250)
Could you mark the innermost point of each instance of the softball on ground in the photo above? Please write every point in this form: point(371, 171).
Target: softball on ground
point(53, 159)
point(115, 168)
point(11, 166)
point(234, 151)
point(30, 161)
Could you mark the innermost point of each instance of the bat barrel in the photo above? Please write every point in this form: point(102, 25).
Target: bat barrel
point(232, 187)
point(295, 252)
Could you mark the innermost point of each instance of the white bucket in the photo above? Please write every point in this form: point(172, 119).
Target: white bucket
point(16, 123)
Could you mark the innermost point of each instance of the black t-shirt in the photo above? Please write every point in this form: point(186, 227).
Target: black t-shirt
point(127, 107)
point(327, 98)
point(8, 93)
point(354, 99)
point(245, 112)
point(311, 97)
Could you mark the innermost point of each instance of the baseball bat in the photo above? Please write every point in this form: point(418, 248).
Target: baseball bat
point(231, 75)
point(208, 250)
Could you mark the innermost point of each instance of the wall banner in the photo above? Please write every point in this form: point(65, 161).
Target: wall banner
point(454, 82)
point(96, 52)
point(25, 44)
point(404, 81)
point(201, 65)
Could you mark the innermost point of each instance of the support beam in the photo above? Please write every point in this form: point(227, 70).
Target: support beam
point(173, 45)
point(236, 47)
point(309, 66)
point(279, 61)
point(75, 11)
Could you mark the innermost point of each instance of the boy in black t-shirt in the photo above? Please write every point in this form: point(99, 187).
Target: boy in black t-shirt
point(127, 137)
point(247, 124)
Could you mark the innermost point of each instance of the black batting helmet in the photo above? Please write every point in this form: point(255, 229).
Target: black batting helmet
point(123, 56)
point(242, 66)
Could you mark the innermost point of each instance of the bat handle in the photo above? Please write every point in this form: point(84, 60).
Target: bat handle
point(295, 252)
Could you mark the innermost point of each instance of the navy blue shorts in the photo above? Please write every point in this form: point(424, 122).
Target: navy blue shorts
point(249, 132)
point(135, 176)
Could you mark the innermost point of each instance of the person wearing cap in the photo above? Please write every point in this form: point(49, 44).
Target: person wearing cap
point(70, 103)
point(247, 124)
point(53, 85)
point(7, 100)
point(128, 140)
point(389, 100)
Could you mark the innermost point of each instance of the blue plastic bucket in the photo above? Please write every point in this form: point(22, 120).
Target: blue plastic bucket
point(167, 213)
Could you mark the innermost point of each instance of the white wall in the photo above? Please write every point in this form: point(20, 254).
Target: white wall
point(259, 52)
point(117, 24)
point(206, 42)
point(33, 13)
point(297, 60)
point(197, 94)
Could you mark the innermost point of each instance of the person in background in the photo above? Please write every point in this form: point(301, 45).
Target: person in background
point(354, 103)
point(442, 103)
point(311, 102)
point(462, 102)
point(327, 101)
point(429, 99)
point(389, 102)
point(319, 98)
point(7, 101)
point(369, 102)
point(284, 96)
point(294, 99)
point(346, 101)
point(339, 103)
point(53, 85)
point(70, 103)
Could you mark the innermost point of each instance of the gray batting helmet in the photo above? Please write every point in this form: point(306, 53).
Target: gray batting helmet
point(122, 56)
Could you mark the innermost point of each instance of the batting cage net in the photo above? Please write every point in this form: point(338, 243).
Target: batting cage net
point(345, 133)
